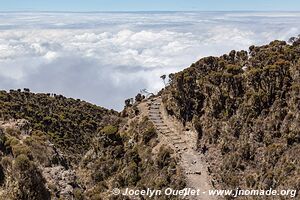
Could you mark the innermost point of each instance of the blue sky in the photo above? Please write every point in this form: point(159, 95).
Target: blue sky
point(149, 5)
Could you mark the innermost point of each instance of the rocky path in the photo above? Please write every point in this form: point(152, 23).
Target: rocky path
point(183, 142)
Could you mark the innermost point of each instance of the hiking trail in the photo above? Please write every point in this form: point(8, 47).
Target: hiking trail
point(183, 142)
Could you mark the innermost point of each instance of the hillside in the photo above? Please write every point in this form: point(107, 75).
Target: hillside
point(68, 123)
point(52, 147)
point(245, 108)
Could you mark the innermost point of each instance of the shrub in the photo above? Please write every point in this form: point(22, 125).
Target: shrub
point(78, 195)
point(2, 176)
point(109, 130)
point(6, 162)
point(22, 162)
point(149, 134)
point(163, 157)
point(31, 184)
point(20, 149)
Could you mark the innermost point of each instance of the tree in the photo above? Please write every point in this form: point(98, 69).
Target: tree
point(139, 97)
point(171, 78)
point(26, 90)
point(294, 40)
point(163, 77)
point(127, 103)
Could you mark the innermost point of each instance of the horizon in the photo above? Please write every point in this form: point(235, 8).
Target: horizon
point(144, 5)
point(132, 11)
point(119, 53)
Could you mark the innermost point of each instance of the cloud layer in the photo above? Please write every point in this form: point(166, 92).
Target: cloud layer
point(107, 57)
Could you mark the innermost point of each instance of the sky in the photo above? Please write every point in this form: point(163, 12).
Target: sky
point(147, 5)
point(104, 58)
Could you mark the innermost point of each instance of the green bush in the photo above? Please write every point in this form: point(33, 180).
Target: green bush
point(109, 130)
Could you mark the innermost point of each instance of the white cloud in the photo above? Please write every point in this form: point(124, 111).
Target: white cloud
point(107, 57)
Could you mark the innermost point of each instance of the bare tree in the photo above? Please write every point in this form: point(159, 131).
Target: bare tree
point(146, 92)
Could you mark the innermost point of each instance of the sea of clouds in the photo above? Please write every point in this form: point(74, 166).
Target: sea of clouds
point(105, 58)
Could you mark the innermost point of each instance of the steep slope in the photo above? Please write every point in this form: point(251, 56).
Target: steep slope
point(245, 108)
point(52, 147)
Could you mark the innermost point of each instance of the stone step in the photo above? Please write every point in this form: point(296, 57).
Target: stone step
point(154, 111)
point(155, 105)
point(170, 132)
point(157, 117)
point(157, 120)
point(179, 142)
point(169, 135)
point(176, 138)
point(163, 128)
point(154, 121)
point(159, 123)
point(154, 115)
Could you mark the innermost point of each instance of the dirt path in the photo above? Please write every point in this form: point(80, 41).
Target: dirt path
point(184, 144)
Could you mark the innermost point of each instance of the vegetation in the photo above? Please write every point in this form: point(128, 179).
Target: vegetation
point(129, 162)
point(52, 147)
point(68, 123)
point(245, 108)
